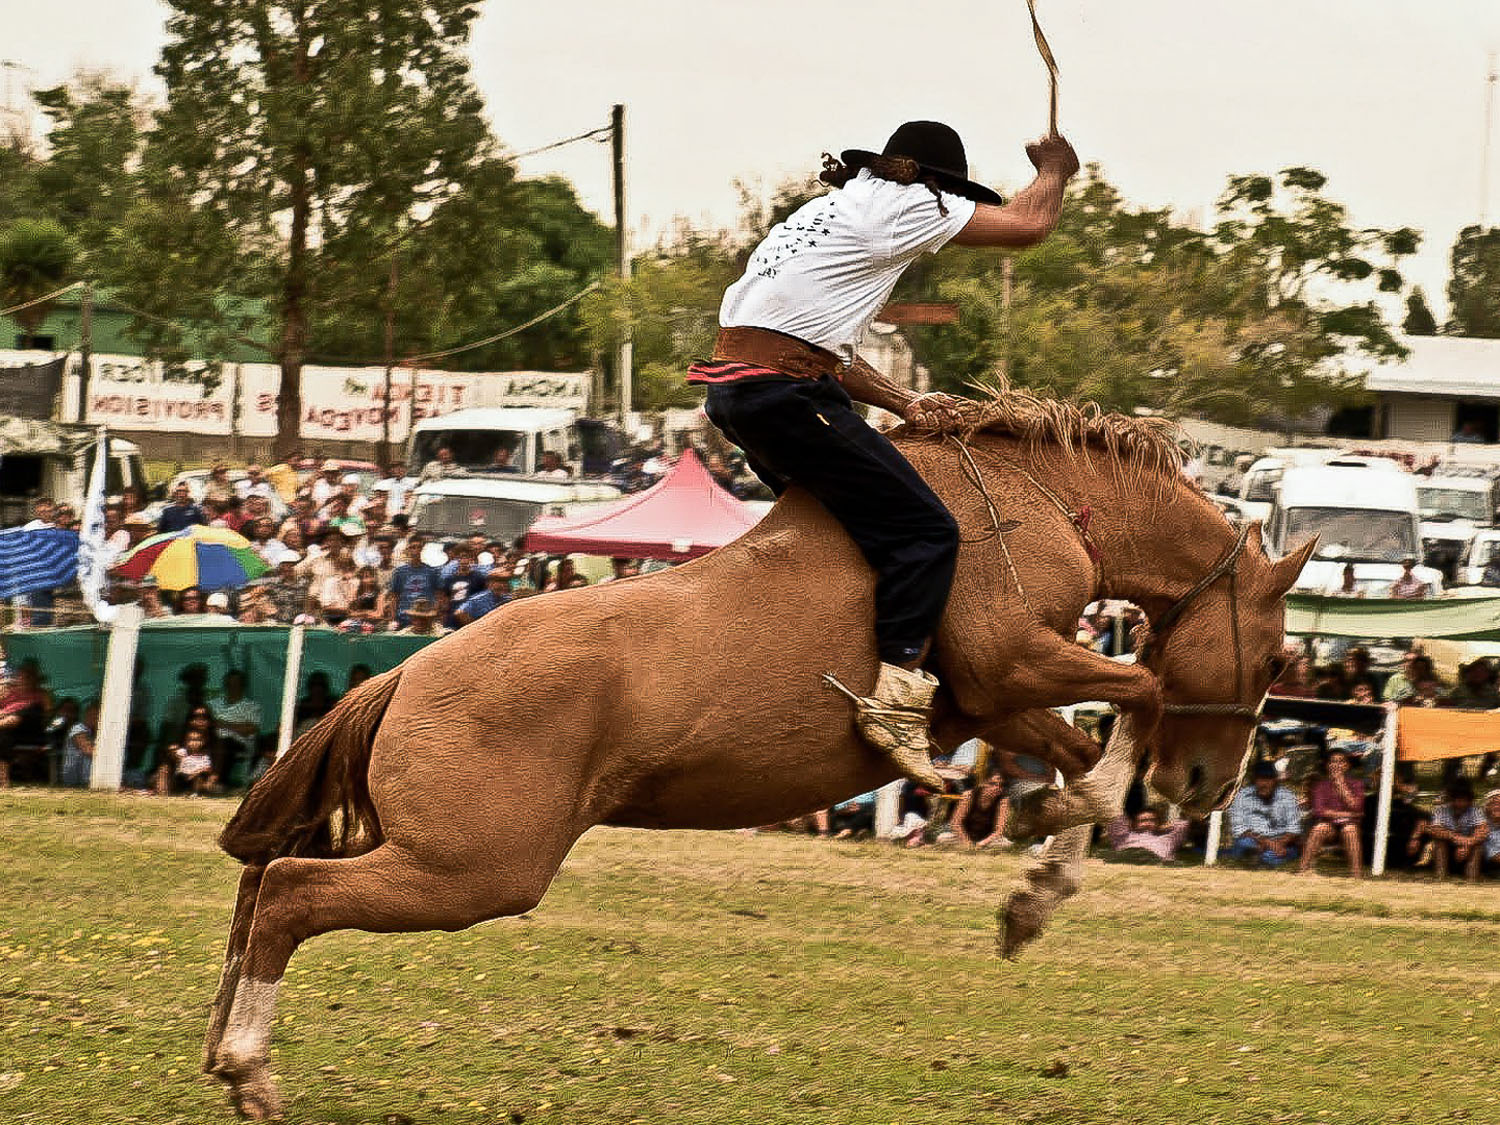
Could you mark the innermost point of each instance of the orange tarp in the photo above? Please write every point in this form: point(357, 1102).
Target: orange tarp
point(1426, 734)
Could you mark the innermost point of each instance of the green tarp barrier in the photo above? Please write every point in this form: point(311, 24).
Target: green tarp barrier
point(1459, 619)
point(72, 660)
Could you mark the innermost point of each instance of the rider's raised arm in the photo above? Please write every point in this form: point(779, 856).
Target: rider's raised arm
point(1031, 215)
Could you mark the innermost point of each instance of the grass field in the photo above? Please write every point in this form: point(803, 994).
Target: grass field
point(718, 978)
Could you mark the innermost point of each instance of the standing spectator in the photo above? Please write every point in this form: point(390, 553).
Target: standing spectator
point(326, 484)
point(368, 604)
point(254, 484)
point(333, 597)
point(238, 722)
point(290, 591)
point(1458, 832)
point(979, 819)
point(412, 580)
point(395, 488)
point(117, 538)
point(460, 581)
point(441, 468)
point(1338, 803)
point(496, 593)
point(181, 512)
point(256, 607)
point(43, 513)
point(1346, 587)
point(78, 750)
point(1264, 820)
point(1409, 586)
point(1146, 839)
point(150, 599)
point(218, 488)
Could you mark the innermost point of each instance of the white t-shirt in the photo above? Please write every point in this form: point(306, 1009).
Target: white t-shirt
point(824, 273)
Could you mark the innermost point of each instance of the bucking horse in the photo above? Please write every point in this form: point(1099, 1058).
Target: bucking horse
point(447, 792)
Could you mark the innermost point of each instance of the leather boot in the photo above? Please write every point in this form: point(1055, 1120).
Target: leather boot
point(895, 720)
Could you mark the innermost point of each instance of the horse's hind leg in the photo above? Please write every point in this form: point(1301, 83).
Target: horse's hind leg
point(229, 977)
point(388, 890)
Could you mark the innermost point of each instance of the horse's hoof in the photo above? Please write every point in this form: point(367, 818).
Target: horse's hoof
point(251, 1090)
point(1021, 920)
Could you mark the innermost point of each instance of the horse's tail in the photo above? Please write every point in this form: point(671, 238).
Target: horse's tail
point(315, 801)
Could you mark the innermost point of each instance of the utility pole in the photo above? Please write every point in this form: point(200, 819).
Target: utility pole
point(622, 251)
point(85, 348)
point(1484, 160)
point(390, 362)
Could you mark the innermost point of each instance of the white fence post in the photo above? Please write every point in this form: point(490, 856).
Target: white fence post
point(887, 806)
point(114, 705)
point(289, 684)
point(1215, 831)
point(1387, 785)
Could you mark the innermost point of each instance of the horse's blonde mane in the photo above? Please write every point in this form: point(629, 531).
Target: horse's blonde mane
point(1133, 447)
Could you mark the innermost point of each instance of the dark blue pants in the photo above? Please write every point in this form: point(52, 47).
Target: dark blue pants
point(806, 432)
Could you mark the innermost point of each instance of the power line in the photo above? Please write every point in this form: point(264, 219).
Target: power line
point(498, 336)
point(593, 134)
point(38, 300)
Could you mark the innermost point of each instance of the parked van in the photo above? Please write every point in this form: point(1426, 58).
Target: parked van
point(1456, 503)
point(586, 445)
point(1363, 513)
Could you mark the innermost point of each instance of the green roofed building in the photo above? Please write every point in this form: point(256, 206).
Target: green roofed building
point(61, 331)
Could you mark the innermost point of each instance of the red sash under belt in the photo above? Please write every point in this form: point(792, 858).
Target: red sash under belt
point(760, 353)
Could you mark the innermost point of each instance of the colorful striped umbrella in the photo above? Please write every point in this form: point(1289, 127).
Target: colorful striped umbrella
point(211, 558)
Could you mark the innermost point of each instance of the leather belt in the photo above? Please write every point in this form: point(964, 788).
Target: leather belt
point(778, 351)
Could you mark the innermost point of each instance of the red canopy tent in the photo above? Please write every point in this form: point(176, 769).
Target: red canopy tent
point(682, 516)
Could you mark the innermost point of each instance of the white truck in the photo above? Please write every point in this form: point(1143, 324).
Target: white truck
point(1456, 502)
point(1362, 513)
point(54, 460)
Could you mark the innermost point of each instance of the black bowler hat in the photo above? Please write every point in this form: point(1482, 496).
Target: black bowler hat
point(939, 153)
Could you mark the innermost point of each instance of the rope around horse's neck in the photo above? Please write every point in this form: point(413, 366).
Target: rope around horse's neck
point(997, 532)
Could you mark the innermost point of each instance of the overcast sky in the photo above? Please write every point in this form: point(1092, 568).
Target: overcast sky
point(1384, 96)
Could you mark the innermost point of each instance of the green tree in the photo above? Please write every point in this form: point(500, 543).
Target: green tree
point(1419, 319)
point(88, 178)
point(1474, 283)
point(299, 144)
point(36, 258)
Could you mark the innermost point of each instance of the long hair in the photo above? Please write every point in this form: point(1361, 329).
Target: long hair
point(897, 169)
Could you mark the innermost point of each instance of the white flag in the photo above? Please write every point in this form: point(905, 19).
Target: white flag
point(92, 553)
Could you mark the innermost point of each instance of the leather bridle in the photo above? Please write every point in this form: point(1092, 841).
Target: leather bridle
point(1228, 566)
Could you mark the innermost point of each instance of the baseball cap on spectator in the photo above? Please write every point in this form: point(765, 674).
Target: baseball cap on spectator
point(288, 556)
point(351, 526)
point(350, 478)
point(218, 600)
point(330, 466)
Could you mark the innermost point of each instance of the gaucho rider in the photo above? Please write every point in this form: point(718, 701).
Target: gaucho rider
point(786, 368)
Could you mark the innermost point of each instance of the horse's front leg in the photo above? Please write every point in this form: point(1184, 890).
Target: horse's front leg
point(1095, 797)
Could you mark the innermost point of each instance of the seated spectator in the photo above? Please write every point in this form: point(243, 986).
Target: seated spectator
point(368, 604)
point(1459, 833)
point(290, 591)
point(1357, 671)
point(1409, 586)
point(78, 750)
point(256, 606)
point(442, 467)
point(150, 599)
point(503, 461)
point(358, 674)
point(216, 609)
point(238, 722)
point(1296, 681)
point(423, 616)
point(1328, 683)
point(318, 701)
point(190, 601)
point(265, 758)
point(1346, 586)
point(189, 767)
point(58, 729)
point(1338, 804)
point(1491, 863)
point(1146, 839)
point(1406, 819)
point(333, 595)
point(496, 593)
point(853, 817)
point(1475, 690)
point(23, 709)
point(979, 819)
point(1265, 820)
point(1362, 692)
point(1023, 773)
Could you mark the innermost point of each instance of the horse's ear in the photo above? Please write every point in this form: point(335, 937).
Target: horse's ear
point(1254, 537)
point(1284, 571)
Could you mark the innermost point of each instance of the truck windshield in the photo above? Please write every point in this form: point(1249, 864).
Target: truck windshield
point(464, 515)
point(1454, 503)
point(473, 449)
point(1354, 534)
